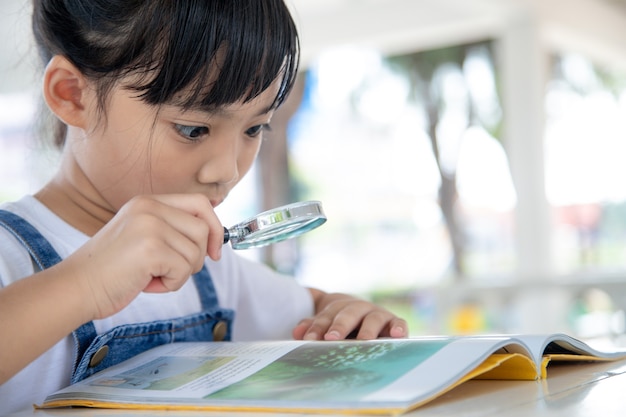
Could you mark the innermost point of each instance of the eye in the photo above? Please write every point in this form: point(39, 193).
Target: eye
point(193, 133)
point(255, 131)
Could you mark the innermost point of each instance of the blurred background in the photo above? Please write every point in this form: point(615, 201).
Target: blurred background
point(468, 154)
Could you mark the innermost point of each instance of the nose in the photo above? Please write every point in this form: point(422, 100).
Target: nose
point(222, 167)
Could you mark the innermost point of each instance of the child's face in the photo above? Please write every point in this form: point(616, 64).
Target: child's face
point(139, 149)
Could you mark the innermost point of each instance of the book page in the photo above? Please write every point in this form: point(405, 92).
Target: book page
point(450, 364)
point(348, 375)
point(562, 347)
point(545, 348)
point(183, 370)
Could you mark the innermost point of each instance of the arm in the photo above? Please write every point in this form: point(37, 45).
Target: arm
point(337, 316)
point(37, 312)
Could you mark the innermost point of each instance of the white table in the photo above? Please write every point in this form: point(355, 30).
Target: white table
point(572, 390)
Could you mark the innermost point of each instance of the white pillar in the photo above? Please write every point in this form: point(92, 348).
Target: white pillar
point(524, 65)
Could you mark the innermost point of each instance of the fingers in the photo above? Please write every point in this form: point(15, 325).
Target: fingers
point(178, 235)
point(351, 318)
point(165, 236)
point(200, 207)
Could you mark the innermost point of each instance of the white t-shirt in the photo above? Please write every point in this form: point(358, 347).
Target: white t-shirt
point(267, 305)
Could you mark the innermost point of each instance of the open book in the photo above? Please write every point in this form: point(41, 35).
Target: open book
point(384, 376)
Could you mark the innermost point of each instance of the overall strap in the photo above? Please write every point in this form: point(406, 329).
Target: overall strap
point(44, 256)
point(40, 250)
point(205, 288)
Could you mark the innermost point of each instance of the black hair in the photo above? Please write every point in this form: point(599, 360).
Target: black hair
point(205, 53)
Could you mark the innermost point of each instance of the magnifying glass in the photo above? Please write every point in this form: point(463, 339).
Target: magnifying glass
point(275, 225)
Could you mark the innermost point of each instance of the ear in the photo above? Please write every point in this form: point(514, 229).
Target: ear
point(64, 89)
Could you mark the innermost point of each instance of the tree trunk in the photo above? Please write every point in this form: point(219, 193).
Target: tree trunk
point(448, 194)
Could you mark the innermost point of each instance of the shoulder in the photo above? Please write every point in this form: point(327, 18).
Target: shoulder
point(64, 238)
point(15, 262)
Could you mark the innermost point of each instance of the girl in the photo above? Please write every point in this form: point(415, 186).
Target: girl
point(163, 106)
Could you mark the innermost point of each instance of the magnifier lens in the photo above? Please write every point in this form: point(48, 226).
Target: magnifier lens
point(275, 225)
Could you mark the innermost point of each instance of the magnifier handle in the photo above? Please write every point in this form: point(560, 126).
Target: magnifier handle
point(226, 235)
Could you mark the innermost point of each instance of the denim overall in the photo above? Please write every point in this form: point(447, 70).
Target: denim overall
point(95, 352)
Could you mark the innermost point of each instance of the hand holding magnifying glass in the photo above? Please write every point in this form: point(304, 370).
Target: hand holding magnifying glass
point(275, 225)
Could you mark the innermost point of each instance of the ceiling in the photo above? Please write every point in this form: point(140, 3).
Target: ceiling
point(594, 27)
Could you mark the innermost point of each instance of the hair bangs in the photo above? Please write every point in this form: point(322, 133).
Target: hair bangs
point(216, 53)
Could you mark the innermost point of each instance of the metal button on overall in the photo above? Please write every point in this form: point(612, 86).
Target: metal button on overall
point(219, 331)
point(99, 356)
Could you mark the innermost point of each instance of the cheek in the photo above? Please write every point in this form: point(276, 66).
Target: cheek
point(125, 180)
point(247, 158)
point(117, 171)
point(130, 167)
point(170, 171)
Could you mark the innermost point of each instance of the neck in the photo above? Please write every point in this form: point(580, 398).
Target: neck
point(71, 197)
